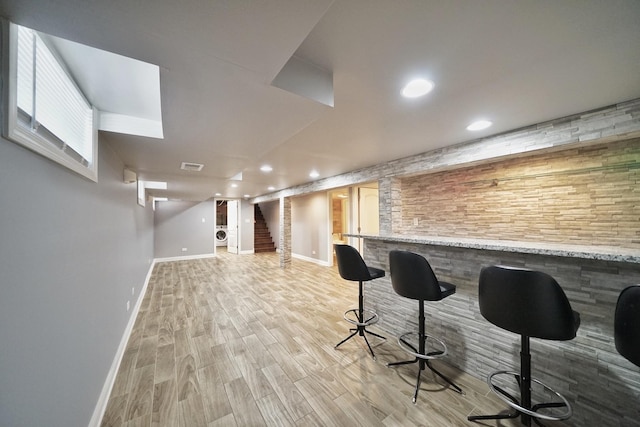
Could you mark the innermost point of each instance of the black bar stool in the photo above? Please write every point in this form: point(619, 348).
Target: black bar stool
point(352, 267)
point(626, 324)
point(412, 277)
point(532, 304)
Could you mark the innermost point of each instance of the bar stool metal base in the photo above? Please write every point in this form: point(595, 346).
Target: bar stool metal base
point(356, 317)
point(423, 358)
point(528, 413)
point(523, 407)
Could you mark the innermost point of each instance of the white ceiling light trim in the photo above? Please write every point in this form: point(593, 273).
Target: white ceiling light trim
point(314, 174)
point(479, 125)
point(417, 88)
point(266, 168)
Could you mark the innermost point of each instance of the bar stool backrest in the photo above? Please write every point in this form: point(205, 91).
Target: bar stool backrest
point(526, 302)
point(412, 277)
point(350, 264)
point(627, 324)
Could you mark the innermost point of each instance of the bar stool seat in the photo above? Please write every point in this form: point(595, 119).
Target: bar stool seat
point(627, 324)
point(531, 304)
point(413, 278)
point(352, 267)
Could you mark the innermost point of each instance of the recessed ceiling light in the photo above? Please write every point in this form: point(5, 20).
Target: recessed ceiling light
point(234, 185)
point(416, 88)
point(246, 196)
point(271, 188)
point(479, 125)
point(314, 174)
point(218, 194)
point(266, 168)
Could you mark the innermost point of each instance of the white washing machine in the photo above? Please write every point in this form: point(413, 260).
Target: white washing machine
point(221, 235)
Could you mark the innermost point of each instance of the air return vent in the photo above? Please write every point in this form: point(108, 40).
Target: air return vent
point(191, 167)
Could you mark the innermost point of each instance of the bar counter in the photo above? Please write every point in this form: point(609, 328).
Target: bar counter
point(602, 253)
point(600, 384)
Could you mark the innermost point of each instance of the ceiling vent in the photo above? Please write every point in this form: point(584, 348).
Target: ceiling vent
point(191, 167)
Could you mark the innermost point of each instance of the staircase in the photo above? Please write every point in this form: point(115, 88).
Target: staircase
point(262, 241)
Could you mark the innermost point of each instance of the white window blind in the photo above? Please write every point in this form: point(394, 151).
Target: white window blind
point(50, 98)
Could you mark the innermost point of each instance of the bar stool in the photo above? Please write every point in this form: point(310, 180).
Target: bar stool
point(352, 267)
point(626, 324)
point(413, 278)
point(532, 304)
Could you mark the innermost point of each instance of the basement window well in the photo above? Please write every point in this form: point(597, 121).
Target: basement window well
point(46, 112)
point(55, 98)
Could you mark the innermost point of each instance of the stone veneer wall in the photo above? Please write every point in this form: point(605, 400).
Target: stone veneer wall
point(584, 196)
point(284, 239)
point(602, 386)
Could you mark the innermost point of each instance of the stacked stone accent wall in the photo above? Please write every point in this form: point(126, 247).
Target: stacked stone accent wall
point(582, 196)
point(616, 122)
point(284, 243)
point(601, 385)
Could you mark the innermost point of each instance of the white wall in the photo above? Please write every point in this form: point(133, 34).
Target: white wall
point(70, 252)
point(184, 225)
point(310, 227)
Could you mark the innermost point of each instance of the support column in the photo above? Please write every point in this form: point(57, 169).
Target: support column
point(390, 205)
point(285, 232)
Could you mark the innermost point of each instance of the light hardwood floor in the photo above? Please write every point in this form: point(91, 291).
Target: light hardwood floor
point(237, 341)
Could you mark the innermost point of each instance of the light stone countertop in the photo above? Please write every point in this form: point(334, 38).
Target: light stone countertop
point(602, 253)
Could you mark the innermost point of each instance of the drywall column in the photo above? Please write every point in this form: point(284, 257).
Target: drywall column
point(285, 232)
point(390, 204)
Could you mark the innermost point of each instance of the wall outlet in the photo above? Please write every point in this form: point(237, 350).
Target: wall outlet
point(184, 249)
point(313, 252)
point(203, 220)
point(128, 305)
point(133, 290)
point(415, 221)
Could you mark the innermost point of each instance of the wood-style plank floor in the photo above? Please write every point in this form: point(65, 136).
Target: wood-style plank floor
point(237, 341)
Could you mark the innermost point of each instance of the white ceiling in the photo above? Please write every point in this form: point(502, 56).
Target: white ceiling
point(516, 63)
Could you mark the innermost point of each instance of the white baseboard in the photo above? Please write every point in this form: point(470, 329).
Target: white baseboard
point(313, 260)
point(184, 258)
point(101, 406)
point(247, 252)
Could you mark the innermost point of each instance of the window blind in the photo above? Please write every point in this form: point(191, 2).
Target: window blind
point(49, 96)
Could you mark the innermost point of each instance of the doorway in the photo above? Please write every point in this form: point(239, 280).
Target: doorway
point(226, 235)
point(367, 211)
point(353, 210)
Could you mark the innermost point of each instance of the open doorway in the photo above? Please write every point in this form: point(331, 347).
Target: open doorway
point(366, 218)
point(226, 235)
point(353, 210)
point(221, 234)
point(339, 215)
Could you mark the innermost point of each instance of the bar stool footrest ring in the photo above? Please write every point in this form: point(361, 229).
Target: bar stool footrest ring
point(409, 348)
point(530, 411)
point(351, 316)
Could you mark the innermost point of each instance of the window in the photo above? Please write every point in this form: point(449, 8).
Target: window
point(46, 112)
